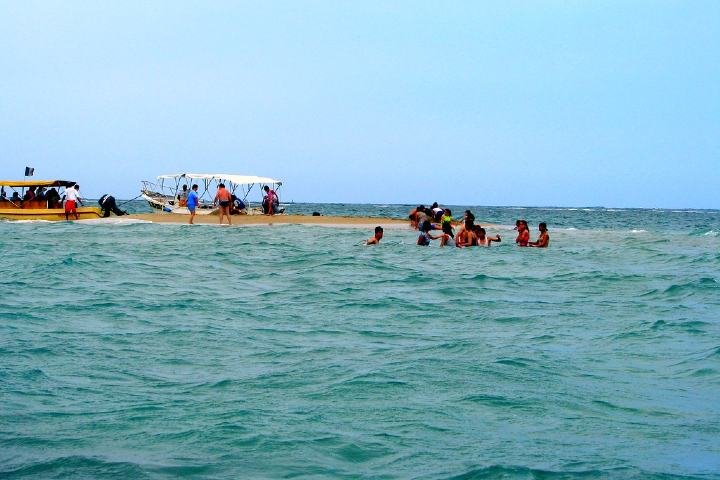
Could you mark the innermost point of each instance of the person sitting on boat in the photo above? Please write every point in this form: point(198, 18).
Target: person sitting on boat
point(3, 195)
point(270, 201)
point(15, 197)
point(182, 196)
point(41, 194)
point(107, 204)
point(30, 194)
point(53, 197)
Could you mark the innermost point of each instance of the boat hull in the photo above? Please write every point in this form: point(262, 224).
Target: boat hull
point(49, 214)
point(162, 203)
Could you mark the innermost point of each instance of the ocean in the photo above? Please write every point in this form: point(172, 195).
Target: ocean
point(140, 350)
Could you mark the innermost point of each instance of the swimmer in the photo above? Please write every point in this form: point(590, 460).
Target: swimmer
point(482, 239)
point(543, 240)
point(446, 223)
point(467, 237)
point(424, 238)
point(523, 236)
point(375, 239)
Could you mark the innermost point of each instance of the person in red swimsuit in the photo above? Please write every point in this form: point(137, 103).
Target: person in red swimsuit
point(523, 237)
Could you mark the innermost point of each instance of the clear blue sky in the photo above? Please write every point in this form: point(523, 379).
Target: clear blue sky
point(536, 103)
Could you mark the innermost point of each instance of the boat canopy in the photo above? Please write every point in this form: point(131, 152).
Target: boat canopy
point(36, 183)
point(236, 179)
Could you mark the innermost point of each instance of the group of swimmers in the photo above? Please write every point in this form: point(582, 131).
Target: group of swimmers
point(468, 233)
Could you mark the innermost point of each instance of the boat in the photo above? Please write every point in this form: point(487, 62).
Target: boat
point(168, 193)
point(14, 208)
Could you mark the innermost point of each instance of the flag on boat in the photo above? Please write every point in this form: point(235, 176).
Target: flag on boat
point(29, 171)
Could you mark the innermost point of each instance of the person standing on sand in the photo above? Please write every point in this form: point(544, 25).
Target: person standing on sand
point(374, 240)
point(543, 240)
point(222, 198)
point(72, 197)
point(192, 202)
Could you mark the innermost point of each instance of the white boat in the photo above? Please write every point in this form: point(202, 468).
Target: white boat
point(167, 194)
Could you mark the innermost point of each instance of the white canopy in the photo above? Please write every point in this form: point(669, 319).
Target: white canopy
point(236, 179)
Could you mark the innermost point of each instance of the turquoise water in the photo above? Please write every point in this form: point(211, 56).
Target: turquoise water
point(139, 350)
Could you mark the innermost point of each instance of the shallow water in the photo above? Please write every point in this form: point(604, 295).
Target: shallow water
point(138, 350)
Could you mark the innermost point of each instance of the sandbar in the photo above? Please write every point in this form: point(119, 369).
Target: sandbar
point(327, 220)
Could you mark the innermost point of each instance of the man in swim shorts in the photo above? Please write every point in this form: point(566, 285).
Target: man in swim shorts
point(192, 202)
point(222, 197)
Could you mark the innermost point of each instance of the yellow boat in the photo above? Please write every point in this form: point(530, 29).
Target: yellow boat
point(45, 207)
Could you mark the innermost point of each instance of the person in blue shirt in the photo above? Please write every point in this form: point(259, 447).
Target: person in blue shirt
point(192, 202)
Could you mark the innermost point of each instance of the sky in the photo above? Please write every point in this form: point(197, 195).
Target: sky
point(508, 102)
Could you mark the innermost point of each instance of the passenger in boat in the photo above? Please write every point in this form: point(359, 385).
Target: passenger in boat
point(72, 198)
point(270, 201)
point(41, 194)
point(3, 195)
point(222, 198)
point(192, 202)
point(52, 197)
point(15, 197)
point(375, 239)
point(107, 204)
point(543, 240)
point(523, 236)
point(482, 239)
point(30, 194)
point(182, 196)
point(424, 238)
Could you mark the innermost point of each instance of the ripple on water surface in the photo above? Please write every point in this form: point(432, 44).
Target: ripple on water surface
point(165, 351)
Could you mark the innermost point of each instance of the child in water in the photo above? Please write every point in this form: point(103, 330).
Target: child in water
point(425, 237)
point(446, 223)
point(482, 239)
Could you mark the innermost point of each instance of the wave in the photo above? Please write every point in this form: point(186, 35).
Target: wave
point(525, 473)
point(114, 221)
point(77, 466)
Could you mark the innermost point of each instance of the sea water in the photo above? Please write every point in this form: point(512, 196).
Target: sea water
point(139, 350)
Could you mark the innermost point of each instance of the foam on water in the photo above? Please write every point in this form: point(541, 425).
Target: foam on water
point(140, 350)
